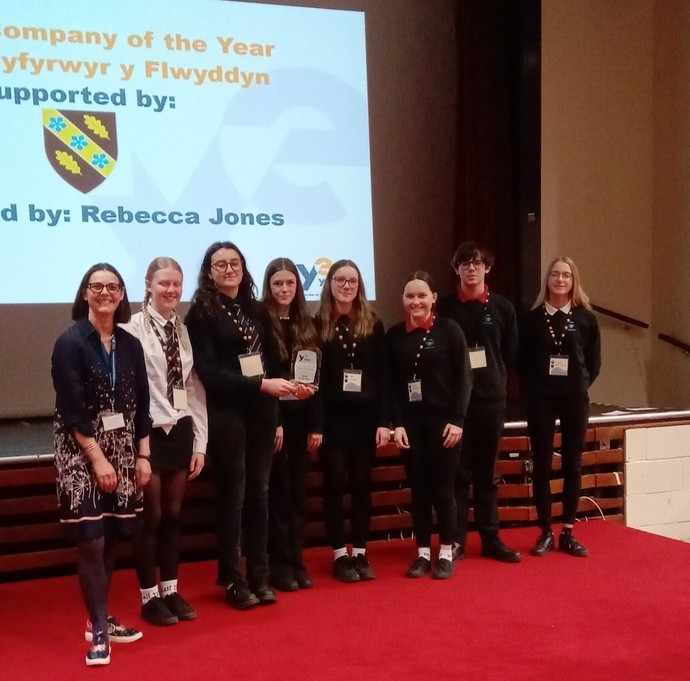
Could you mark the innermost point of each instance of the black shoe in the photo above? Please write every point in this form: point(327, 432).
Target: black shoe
point(443, 569)
point(458, 552)
point(568, 543)
point(155, 611)
point(99, 653)
point(303, 580)
point(344, 571)
point(360, 562)
point(178, 606)
point(240, 597)
point(497, 550)
point(265, 594)
point(544, 544)
point(285, 583)
point(419, 568)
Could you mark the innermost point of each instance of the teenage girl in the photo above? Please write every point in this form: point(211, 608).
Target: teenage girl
point(431, 382)
point(178, 440)
point(561, 358)
point(356, 420)
point(237, 359)
point(299, 434)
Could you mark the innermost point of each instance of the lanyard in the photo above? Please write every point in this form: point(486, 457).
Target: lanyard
point(478, 325)
point(349, 343)
point(163, 342)
point(244, 325)
point(110, 362)
point(558, 342)
point(420, 349)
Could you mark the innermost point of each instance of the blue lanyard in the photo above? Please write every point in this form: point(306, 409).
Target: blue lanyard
point(110, 363)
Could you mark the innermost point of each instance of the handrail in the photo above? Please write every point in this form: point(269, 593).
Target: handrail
point(620, 317)
point(675, 342)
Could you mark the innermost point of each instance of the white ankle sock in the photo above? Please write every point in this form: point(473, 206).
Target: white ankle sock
point(446, 552)
point(339, 553)
point(424, 552)
point(168, 587)
point(148, 594)
point(358, 552)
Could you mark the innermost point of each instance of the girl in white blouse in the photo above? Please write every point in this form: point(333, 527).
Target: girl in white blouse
point(178, 440)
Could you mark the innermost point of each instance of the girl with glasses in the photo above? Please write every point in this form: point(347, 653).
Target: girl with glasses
point(101, 429)
point(178, 440)
point(238, 362)
point(300, 432)
point(561, 358)
point(356, 419)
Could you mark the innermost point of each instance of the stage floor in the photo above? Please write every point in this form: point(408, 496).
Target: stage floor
point(622, 613)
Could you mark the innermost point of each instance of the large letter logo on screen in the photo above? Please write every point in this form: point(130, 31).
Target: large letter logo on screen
point(314, 277)
point(81, 146)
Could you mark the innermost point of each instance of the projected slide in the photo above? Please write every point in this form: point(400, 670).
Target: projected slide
point(135, 129)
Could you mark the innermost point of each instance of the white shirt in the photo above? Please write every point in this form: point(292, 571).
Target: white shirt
point(551, 310)
point(164, 415)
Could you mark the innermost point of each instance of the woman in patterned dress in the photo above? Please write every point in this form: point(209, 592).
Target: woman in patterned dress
point(101, 430)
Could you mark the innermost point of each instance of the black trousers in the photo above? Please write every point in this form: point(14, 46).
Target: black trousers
point(240, 449)
point(347, 455)
point(542, 412)
point(478, 451)
point(287, 496)
point(431, 470)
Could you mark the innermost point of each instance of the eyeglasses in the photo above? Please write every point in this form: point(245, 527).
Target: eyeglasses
point(566, 276)
point(222, 265)
point(97, 287)
point(341, 281)
point(471, 263)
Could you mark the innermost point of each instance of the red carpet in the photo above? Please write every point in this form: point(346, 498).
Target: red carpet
point(622, 613)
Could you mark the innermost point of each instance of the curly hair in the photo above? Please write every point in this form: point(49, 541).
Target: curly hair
point(207, 296)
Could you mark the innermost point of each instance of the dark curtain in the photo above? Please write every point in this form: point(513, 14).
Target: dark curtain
point(498, 148)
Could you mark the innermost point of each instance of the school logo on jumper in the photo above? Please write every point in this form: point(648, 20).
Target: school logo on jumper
point(81, 146)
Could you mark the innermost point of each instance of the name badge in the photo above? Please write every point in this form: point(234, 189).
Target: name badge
point(112, 421)
point(352, 380)
point(558, 365)
point(251, 364)
point(179, 399)
point(477, 358)
point(414, 391)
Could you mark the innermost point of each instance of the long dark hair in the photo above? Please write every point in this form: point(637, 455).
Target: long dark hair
point(207, 295)
point(301, 324)
point(80, 308)
point(363, 314)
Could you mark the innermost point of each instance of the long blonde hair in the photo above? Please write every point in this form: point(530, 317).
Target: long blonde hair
point(363, 314)
point(161, 263)
point(577, 294)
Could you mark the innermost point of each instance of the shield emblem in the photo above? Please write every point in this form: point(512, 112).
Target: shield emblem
point(81, 146)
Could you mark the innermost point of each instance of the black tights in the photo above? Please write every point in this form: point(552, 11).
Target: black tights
point(96, 558)
point(158, 540)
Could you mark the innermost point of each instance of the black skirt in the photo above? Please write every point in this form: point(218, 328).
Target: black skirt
point(172, 452)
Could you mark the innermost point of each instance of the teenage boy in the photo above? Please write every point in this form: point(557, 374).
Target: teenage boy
point(490, 326)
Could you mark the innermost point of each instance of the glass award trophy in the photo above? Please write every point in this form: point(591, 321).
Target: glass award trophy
point(306, 366)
